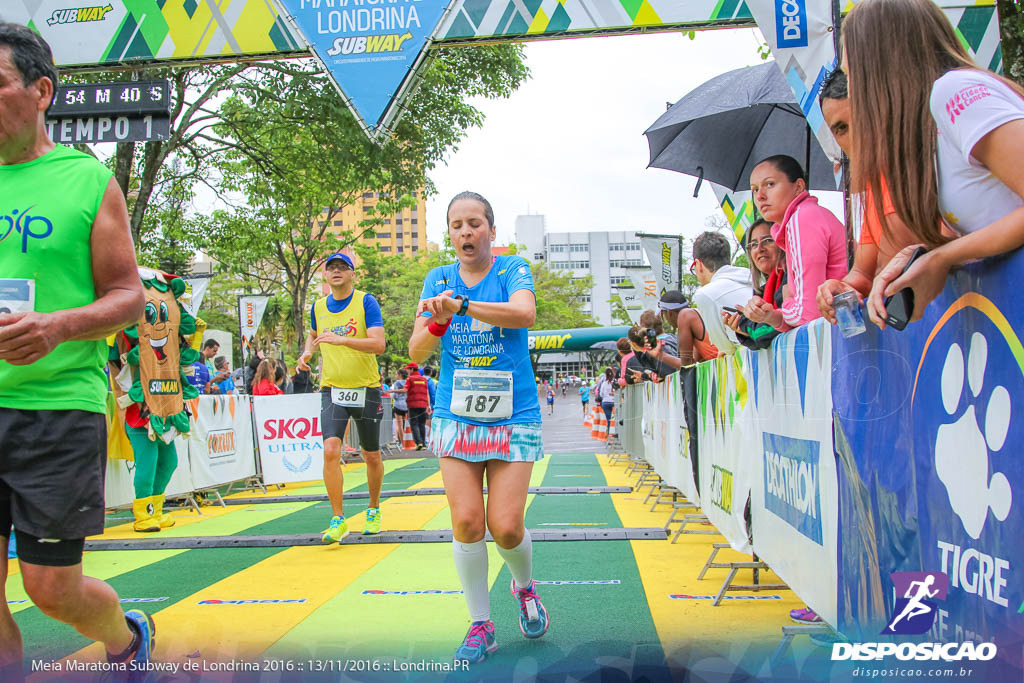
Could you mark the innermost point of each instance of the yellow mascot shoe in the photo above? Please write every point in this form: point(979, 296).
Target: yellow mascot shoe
point(163, 518)
point(143, 510)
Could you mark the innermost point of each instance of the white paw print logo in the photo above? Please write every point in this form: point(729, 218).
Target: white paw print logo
point(962, 447)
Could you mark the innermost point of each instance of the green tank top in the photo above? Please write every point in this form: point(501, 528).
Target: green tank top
point(47, 208)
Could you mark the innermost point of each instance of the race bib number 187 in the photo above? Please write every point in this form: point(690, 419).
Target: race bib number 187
point(482, 395)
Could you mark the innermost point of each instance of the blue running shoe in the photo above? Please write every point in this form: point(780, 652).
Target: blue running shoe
point(147, 636)
point(533, 618)
point(478, 644)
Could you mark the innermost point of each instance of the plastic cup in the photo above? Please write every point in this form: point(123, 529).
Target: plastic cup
point(848, 315)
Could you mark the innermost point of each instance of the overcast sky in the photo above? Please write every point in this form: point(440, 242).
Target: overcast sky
point(569, 143)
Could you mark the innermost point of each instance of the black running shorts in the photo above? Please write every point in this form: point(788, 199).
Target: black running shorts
point(52, 469)
point(334, 418)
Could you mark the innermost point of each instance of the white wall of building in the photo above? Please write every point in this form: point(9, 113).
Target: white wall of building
point(600, 254)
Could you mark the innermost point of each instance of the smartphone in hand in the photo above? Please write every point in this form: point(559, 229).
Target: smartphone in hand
point(730, 309)
point(899, 307)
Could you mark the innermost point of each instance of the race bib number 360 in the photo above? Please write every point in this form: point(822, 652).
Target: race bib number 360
point(348, 398)
point(482, 394)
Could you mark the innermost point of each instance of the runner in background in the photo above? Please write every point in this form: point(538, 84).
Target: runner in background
point(347, 327)
point(585, 397)
point(551, 401)
point(71, 269)
point(400, 407)
point(488, 418)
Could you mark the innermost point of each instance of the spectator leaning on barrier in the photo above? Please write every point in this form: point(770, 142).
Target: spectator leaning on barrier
point(692, 345)
point(627, 362)
point(946, 109)
point(768, 273)
point(659, 354)
point(876, 245)
point(812, 238)
point(649, 367)
point(84, 286)
point(721, 285)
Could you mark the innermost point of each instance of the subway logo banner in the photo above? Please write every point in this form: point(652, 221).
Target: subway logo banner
point(372, 50)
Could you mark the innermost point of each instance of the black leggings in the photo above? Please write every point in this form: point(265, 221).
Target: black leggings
point(418, 424)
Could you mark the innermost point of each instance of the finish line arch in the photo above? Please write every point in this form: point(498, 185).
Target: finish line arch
point(126, 34)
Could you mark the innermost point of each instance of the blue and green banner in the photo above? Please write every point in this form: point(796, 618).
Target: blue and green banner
point(371, 51)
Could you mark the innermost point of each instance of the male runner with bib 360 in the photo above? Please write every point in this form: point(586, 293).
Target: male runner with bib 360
point(347, 327)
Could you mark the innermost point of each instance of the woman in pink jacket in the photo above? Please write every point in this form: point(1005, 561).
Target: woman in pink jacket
point(812, 237)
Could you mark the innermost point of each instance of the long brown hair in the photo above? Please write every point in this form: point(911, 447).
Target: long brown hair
point(264, 371)
point(894, 134)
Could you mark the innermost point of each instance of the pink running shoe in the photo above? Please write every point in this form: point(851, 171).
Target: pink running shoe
point(533, 618)
point(478, 644)
point(804, 616)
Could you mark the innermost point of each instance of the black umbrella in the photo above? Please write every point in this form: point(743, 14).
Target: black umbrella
point(721, 129)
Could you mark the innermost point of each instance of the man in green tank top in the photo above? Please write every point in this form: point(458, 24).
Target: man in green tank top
point(68, 279)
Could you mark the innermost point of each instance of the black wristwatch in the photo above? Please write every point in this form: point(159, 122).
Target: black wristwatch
point(465, 304)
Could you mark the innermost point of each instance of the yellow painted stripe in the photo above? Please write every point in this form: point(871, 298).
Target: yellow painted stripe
point(216, 520)
point(225, 632)
point(667, 569)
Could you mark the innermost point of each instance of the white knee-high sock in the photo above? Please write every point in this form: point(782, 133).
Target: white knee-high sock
point(520, 560)
point(471, 566)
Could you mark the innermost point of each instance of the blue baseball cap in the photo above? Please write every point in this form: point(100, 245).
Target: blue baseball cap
point(338, 255)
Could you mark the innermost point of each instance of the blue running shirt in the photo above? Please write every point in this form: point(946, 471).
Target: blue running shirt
point(471, 344)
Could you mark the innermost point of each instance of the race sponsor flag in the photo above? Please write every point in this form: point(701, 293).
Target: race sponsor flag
point(195, 290)
point(250, 312)
point(664, 253)
point(646, 285)
point(632, 300)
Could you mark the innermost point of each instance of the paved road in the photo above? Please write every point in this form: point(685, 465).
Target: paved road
point(564, 431)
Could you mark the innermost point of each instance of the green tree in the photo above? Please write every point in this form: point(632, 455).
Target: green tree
point(297, 155)
point(1011, 25)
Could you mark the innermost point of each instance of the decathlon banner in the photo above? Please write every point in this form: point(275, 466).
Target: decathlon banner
point(665, 435)
point(929, 430)
point(250, 314)
point(371, 51)
point(221, 447)
point(725, 419)
point(788, 448)
point(289, 436)
point(665, 254)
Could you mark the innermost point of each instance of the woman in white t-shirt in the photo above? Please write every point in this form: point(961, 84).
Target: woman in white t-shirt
point(947, 136)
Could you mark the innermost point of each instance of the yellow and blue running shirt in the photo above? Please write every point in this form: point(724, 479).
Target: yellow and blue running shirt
point(344, 367)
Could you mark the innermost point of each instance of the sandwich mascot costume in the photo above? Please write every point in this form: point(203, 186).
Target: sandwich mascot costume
point(151, 388)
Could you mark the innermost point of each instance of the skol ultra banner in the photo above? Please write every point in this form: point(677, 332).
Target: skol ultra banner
point(250, 313)
point(927, 433)
point(290, 439)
